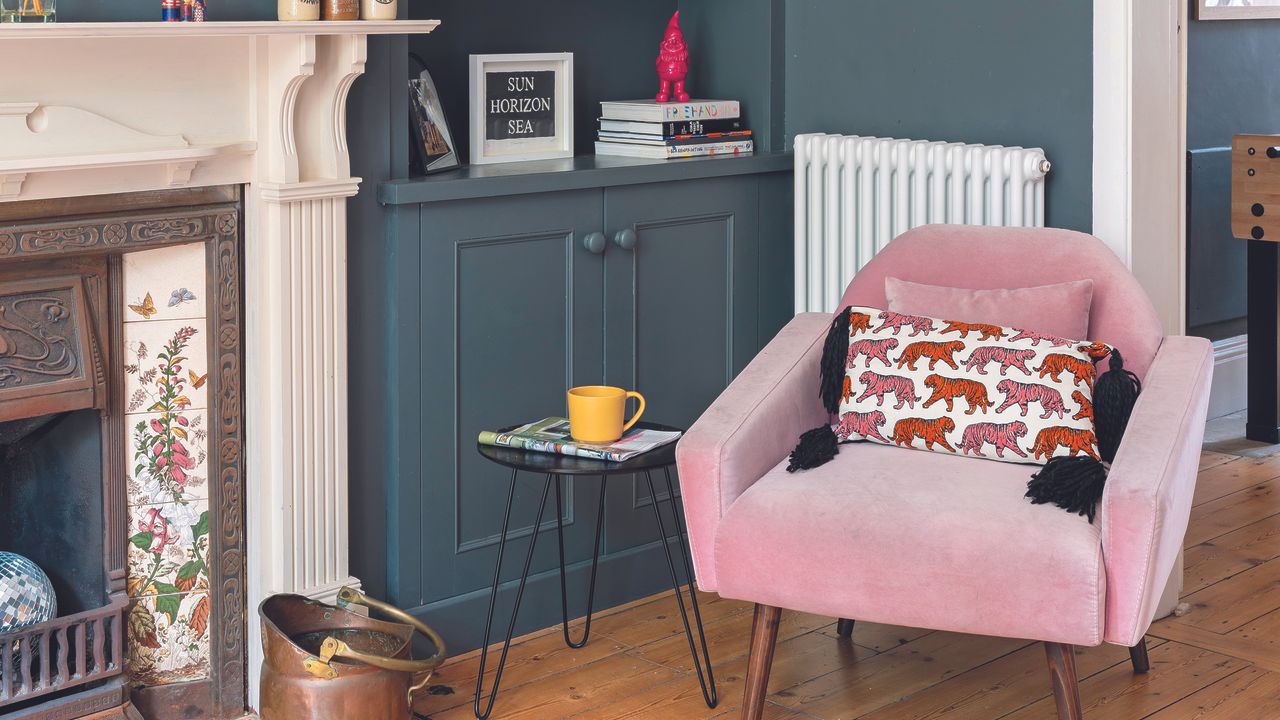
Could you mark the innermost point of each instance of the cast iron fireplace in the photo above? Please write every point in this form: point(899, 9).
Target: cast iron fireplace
point(64, 455)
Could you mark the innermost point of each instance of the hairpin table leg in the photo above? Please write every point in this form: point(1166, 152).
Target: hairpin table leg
point(708, 682)
point(493, 596)
point(595, 560)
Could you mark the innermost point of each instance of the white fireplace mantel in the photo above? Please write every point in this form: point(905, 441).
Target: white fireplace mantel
point(95, 108)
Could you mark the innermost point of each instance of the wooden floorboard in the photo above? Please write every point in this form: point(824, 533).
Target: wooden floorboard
point(1219, 658)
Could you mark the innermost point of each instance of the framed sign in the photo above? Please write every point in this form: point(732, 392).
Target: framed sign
point(1236, 9)
point(521, 107)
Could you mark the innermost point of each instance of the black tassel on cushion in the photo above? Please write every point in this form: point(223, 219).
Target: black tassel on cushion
point(1072, 483)
point(835, 356)
point(817, 447)
point(1113, 398)
point(1076, 483)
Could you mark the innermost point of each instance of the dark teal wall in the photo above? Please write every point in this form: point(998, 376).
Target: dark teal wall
point(1232, 87)
point(738, 52)
point(1006, 72)
point(142, 10)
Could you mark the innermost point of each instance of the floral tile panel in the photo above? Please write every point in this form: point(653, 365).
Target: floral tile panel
point(168, 548)
point(165, 284)
point(166, 366)
point(168, 637)
point(168, 458)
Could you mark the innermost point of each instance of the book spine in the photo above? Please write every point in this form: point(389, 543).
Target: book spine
point(699, 127)
point(684, 112)
point(729, 148)
point(654, 140)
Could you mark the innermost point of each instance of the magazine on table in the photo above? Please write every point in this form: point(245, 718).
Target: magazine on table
point(551, 435)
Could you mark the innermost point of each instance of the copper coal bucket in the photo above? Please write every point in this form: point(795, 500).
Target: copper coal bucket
point(329, 663)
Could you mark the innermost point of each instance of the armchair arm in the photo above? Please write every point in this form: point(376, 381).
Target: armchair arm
point(749, 429)
point(1147, 500)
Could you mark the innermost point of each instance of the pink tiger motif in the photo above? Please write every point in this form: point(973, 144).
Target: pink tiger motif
point(872, 350)
point(1007, 357)
point(1023, 394)
point(902, 388)
point(865, 424)
point(897, 321)
point(1036, 337)
point(1003, 437)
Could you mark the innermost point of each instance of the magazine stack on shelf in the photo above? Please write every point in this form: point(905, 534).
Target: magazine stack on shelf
point(649, 129)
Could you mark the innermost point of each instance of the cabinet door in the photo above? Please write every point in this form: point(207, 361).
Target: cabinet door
point(681, 310)
point(511, 314)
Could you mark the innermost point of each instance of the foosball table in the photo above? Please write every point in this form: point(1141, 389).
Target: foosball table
point(1255, 217)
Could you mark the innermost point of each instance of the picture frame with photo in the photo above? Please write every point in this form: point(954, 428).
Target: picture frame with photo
point(434, 148)
point(521, 107)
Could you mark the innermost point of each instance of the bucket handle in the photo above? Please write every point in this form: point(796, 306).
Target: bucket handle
point(333, 647)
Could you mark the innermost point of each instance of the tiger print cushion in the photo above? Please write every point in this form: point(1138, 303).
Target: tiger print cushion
point(967, 388)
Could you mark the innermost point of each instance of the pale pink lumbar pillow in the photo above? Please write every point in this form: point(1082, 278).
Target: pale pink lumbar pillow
point(1061, 309)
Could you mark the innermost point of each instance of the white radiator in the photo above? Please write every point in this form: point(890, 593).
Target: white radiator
point(855, 194)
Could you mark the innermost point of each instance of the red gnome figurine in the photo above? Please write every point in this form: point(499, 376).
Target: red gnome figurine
point(673, 62)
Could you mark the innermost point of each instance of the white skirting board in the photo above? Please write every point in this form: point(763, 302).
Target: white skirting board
point(1230, 376)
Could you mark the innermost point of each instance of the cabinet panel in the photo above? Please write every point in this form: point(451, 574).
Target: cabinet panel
point(681, 310)
point(510, 316)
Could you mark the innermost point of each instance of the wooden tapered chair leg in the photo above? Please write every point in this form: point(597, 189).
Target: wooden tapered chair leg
point(1138, 654)
point(844, 628)
point(1066, 687)
point(764, 635)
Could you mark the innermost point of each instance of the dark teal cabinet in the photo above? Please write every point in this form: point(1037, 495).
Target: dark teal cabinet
point(681, 308)
point(495, 305)
point(511, 312)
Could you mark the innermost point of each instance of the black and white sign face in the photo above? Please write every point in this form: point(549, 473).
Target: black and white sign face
point(520, 105)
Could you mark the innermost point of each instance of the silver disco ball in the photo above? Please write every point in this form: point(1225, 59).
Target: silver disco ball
point(26, 595)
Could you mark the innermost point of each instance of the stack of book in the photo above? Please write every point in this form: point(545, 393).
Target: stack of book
point(649, 129)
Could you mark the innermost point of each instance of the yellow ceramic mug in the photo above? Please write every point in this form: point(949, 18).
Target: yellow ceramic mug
point(596, 413)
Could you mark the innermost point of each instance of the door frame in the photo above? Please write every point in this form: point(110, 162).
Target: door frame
point(1140, 143)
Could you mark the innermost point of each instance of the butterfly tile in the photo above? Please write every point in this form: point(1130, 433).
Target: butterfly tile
point(167, 546)
point(167, 638)
point(165, 284)
point(166, 366)
point(168, 457)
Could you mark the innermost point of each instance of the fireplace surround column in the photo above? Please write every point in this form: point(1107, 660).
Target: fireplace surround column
point(296, 311)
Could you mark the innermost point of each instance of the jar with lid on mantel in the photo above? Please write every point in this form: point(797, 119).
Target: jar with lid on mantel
point(290, 10)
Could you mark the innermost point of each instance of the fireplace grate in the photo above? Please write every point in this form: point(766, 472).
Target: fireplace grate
point(61, 654)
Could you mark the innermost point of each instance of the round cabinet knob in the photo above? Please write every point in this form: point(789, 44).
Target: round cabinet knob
point(595, 242)
point(625, 239)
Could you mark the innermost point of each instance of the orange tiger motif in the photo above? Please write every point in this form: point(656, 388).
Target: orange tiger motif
point(1086, 407)
point(1078, 441)
point(1096, 350)
point(1055, 363)
point(988, 332)
point(930, 431)
point(947, 389)
point(859, 322)
point(847, 391)
point(935, 351)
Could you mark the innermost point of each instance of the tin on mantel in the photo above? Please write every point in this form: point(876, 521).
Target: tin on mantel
point(340, 9)
point(298, 9)
point(378, 9)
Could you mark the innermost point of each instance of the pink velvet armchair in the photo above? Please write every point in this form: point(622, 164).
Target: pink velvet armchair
point(935, 541)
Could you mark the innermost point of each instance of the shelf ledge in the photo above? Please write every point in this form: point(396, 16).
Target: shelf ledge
point(158, 29)
point(581, 172)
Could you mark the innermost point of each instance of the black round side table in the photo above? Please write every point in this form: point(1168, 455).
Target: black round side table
point(558, 469)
